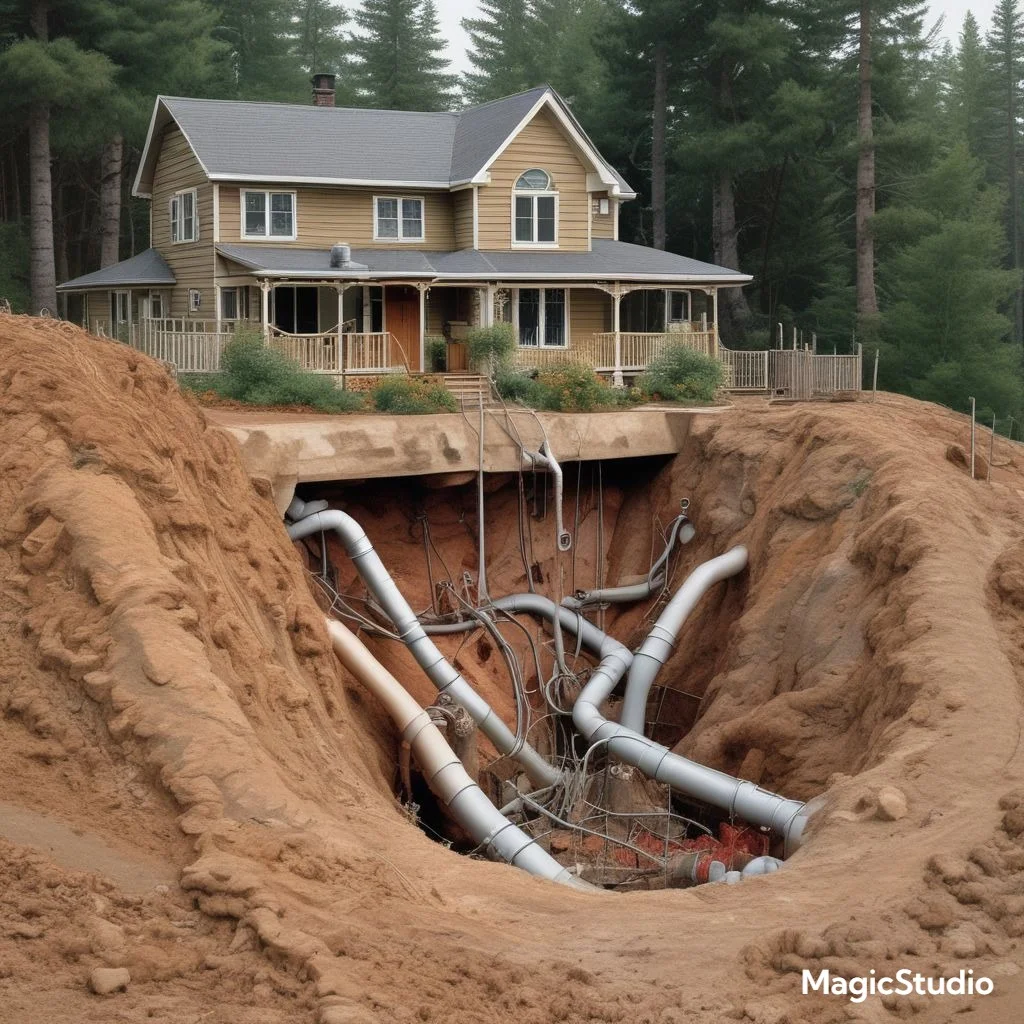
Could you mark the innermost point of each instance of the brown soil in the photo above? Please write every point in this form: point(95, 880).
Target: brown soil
point(172, 710)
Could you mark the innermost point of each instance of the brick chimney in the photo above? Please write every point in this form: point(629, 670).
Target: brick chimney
point(323, 90)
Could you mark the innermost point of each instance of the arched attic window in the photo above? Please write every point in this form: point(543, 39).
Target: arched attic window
point(535, 209)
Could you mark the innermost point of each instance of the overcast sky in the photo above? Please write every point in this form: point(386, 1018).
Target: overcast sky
point(452, 11)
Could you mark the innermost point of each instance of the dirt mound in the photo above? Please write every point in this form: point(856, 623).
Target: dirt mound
point(170, 702)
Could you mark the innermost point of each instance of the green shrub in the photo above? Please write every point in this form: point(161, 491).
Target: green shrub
point(682, 374)
point(258, 375)
point(574, 388)
point(437, 354)
point(519, 386)
point(401, 396)
point(491, 347)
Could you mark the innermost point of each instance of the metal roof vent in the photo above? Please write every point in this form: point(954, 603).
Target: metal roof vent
point(341, 255)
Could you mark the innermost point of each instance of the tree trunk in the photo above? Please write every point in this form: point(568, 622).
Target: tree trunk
point(867, 300)
point(60, 234)
point(658, 119)
point(1014, 214)
point(111, 169)
point(42, 271)
point(733, 310)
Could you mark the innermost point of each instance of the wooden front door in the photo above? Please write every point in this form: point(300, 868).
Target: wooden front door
point(402, 320)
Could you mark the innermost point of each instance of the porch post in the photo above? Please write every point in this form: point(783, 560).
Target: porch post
point(340, 288)
point(617, 378)
point(265, 290)
point(714, 314)
point(422, 289)
point(489, 307)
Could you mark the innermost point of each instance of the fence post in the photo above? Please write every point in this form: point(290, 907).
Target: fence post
point(991, 446)
point(780, 335)
point(874, 379)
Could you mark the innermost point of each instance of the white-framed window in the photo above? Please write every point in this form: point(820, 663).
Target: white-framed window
point(398, 218)
point(195, 300)
point(184, 220)
point(120, 307)
point(268, 215)
point(535, 210)
point(677, 307)
point(234, 303)
point(541, 317)
point(156, 305)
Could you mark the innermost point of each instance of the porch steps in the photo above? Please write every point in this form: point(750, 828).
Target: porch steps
point(470, 390)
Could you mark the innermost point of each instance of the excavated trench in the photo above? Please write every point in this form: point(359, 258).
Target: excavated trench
point(755, 647)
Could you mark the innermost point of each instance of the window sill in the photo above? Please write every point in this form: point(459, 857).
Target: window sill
point(268, 238)
point(534, 245)
point(399, 241)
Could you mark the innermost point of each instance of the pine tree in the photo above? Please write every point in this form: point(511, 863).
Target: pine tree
point(321, 44)
point(38, 76)
point(502, 50)
point(258, 37)
point(1005, 45)
point(397, 56)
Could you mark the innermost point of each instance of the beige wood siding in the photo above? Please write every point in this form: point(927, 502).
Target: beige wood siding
point(602, 225)
point(462, 203)
point(328, 215)
point(192, 262)
point(97, 308)
point(540, 144)
point(590, 312)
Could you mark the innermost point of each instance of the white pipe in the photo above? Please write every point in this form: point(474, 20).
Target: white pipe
point(737, 796)
point(444, 772)
point(660, 642)
point(446, 678)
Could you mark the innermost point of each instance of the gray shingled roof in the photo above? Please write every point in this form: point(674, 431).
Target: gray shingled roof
point(294, 143)
point(608, 261)
point(147, 268)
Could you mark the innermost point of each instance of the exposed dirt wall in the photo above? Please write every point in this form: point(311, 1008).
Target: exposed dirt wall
point(168, 692)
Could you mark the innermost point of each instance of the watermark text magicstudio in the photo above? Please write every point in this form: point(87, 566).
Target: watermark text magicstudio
point(903, 983)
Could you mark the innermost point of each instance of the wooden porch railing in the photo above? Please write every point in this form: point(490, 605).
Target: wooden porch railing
point(365, 352)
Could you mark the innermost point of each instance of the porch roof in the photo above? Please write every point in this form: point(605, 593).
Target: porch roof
point(608, 261)
point(147, 268)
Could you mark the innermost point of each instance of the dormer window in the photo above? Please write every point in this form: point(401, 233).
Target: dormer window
point(535, 210)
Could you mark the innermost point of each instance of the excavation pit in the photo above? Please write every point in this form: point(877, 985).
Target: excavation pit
point(169, 691)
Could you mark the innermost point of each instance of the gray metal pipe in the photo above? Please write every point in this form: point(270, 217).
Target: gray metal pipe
point(737, 796)
point(660, 642)
point(546, 457)
point(443, 675)
point(681, 530)
point(445, 773)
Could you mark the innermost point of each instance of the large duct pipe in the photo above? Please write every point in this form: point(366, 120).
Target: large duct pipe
point(660, 642)
point(444, 772)
point(446, 678)
point(737, 796)
point(680, 530)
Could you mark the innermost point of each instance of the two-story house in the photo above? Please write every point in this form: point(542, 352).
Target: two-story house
point(352, 235)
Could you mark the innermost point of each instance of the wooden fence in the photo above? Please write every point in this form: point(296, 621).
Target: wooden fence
point(791, 373)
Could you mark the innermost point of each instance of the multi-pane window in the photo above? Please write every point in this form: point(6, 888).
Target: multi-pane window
point(120, 307)
point(398, 217)
point(678, 307)
point(268, 215)
point(234, 303)
point(183, 217)
point(156, 305)
point(541, 317)
point(535, 209)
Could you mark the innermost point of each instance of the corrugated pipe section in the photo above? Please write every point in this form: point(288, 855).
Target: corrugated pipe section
point(444, 772)
point(443, 675)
